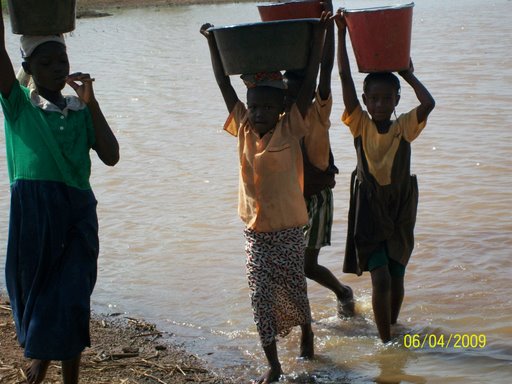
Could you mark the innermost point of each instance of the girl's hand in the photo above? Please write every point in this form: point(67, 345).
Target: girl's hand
point(339, 18)
point(408, 71)
point(326, 5)
point(204, 30)
point(325, 17)
point(84, 90)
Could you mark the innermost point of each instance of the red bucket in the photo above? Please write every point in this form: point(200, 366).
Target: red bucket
point(290, 10)
point(381, 37)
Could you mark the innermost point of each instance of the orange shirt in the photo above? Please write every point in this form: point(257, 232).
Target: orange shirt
point(380, 148)
point(271, 178)
point(317, 141)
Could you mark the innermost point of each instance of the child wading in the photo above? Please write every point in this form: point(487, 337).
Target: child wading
point(383, 193)
point(319, 174)
point(53, 229)
point(271, 202)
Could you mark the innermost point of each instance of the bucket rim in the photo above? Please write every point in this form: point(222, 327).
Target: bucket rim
point(274, 4)
point(256, 24)
point(374, 9)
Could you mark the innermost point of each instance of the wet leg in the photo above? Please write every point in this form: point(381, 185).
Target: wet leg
point(397, 297)
point(307, 349)
point(274, 371)
point(70, 370)
point(325, 277)
point(381, 301)
point(36, 372)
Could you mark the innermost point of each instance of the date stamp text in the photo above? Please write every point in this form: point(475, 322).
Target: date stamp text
point(452, 340)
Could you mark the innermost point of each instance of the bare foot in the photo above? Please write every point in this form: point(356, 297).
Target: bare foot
point(346, 305)
point(37, 371)
point(271, 376)
point(307, 349)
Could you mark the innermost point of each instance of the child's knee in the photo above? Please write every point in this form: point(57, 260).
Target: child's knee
point(381, 279)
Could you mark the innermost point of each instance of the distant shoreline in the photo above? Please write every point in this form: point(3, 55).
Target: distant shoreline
point(100, 8)
point(90, 6)
point(87, 5)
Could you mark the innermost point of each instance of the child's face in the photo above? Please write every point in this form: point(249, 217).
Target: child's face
point(264, 105)
point(49, 66)
point(380, 99)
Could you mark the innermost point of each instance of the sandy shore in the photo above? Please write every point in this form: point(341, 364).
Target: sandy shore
point(124, 350)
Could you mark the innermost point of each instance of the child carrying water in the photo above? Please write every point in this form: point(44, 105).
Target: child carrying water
point(383, 193)
point(53, 229)
point(271, 203)
point(319, 174)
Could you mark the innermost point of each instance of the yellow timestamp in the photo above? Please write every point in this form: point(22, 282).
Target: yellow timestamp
point(452, 340)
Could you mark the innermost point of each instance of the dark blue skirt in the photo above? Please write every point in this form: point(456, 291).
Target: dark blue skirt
point(51, 267)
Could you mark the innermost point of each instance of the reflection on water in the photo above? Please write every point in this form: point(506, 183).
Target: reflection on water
point(172, 244)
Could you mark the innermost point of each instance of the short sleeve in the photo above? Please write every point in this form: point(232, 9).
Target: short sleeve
point(356, 121)
point(14, 103)
point(410, 126)
point(320, 112)
point(297, 124)
point(234, 120)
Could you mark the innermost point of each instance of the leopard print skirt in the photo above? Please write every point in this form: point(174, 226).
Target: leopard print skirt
point(275, 271)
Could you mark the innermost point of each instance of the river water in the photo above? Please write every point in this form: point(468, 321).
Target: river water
point(172, 243)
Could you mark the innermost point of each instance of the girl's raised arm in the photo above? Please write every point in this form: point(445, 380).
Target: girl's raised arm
point(223, 81)
point(427, 102)
point(7, 75)
point(307, 88)
point(347, 83)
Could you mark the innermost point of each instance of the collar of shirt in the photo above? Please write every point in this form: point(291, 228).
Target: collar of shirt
point(73, 103)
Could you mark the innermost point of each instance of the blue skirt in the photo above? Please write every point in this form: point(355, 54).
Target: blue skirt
point(51, 267)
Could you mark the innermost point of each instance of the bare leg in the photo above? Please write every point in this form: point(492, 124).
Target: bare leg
point(274, 371)
point(397, 297)
point(70, 370)
point(307, 349)
point(37, 371)
point(381, 301)
point(324, 277)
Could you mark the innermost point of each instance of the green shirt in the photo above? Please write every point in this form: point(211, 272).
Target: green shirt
point(44, 142)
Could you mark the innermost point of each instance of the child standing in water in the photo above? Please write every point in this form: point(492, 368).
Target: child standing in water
point(319, 174)
point(383, 193)
point(271, 203)
point(53, 229)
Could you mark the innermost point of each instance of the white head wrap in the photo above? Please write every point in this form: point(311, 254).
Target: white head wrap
point(29, 43)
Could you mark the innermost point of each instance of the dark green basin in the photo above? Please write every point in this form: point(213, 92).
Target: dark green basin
point(264, 46)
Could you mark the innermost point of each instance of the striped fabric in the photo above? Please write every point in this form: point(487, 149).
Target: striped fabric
point(320, 212)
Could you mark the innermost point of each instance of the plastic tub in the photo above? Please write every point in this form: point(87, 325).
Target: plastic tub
point(264, 46)
point(290, 10)
point(381, 37)
point(42, 17)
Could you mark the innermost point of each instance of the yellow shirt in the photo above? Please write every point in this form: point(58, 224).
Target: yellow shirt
point(317, 141)
point(271, 172)
point(380, 148)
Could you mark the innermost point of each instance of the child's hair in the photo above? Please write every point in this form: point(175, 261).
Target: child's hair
point(386, 77)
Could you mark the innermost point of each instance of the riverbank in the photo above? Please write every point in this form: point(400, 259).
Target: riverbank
point(101, 8)
point(124, 350)
point(112, 4)
point(90, 6)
